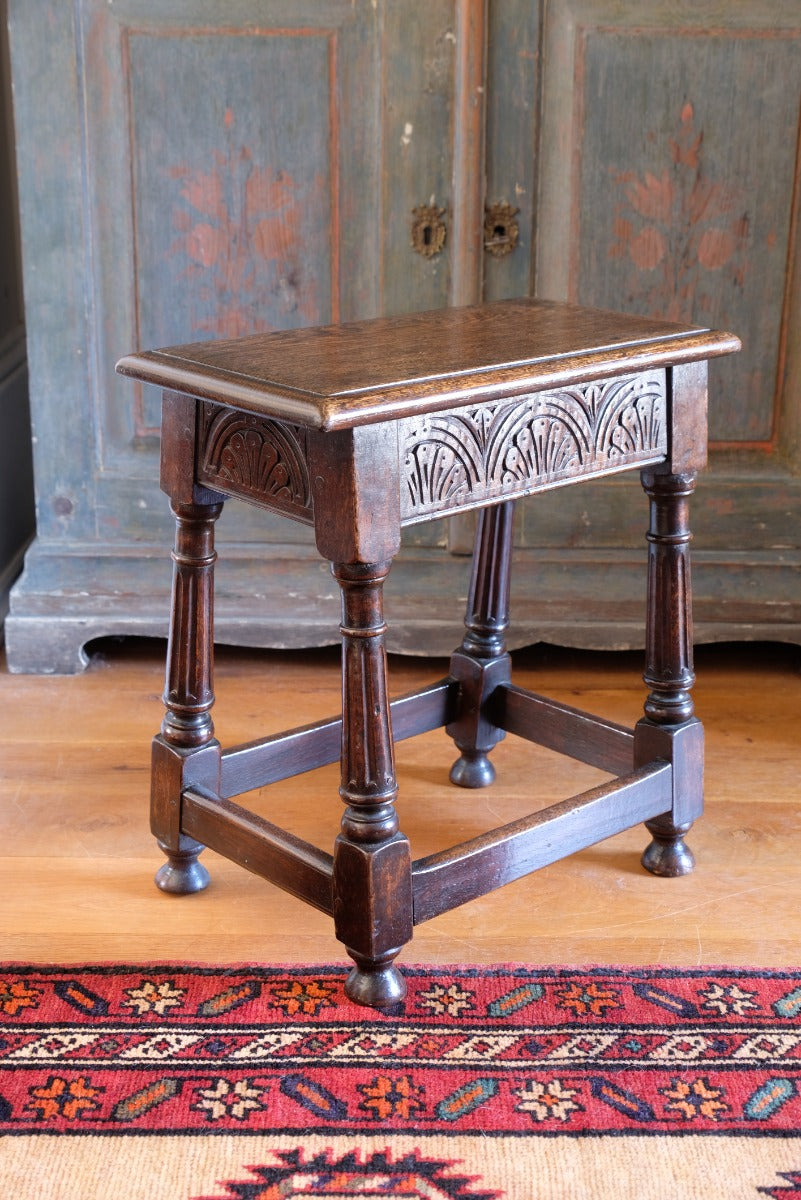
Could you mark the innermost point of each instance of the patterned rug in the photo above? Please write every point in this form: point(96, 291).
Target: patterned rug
point(261, 1083)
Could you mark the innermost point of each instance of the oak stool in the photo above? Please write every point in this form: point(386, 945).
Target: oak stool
point(358, 430)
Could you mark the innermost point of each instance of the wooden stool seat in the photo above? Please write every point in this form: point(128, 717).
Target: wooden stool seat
point(359, 430)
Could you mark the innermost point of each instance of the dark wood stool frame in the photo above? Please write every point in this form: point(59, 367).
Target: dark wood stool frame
point(363, 428)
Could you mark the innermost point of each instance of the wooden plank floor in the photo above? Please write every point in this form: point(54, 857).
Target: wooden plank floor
point(77, 859)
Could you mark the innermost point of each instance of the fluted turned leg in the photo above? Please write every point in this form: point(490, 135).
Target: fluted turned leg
point(669, 729)
point(481, 662)
point(372, 859)
point(186, 742)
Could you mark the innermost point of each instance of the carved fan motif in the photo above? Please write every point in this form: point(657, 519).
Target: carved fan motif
point(472, 455)
point(256, 458)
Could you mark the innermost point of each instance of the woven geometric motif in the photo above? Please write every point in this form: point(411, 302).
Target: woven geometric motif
point(377, 1175)
point(502, 1052)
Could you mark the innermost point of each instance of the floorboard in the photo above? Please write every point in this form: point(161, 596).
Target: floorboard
point(77, 859)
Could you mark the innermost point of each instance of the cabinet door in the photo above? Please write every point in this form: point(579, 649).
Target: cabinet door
point(232, 155)
point(668, 181)
point(199, 169)
point(248, 173)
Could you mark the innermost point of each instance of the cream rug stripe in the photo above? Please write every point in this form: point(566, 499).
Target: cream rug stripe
point(694, 1167)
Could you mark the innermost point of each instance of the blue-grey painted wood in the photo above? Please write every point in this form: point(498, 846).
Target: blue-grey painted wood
point(687, 211)
point(111, 160)
point(669, 183)
point(17, 518)
point(513, 80)
point(16, 469)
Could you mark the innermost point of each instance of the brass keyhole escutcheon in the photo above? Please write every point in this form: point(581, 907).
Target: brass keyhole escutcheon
point(501, 231)
point(428, 229)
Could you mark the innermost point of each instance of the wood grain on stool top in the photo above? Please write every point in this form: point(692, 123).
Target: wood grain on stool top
point(340, 376)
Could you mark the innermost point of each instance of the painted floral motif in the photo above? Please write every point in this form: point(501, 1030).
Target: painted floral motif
point(451, 1000)
point(676, 227)
point(16, 996)
point(547, 1101)
point(694, 1100)
point(238, 227)
point(223, 1099)
point(588, 999)
point(67, 1098)
point(385, 1097)
point(306, 996)
point(152, 997)
point(730, 999)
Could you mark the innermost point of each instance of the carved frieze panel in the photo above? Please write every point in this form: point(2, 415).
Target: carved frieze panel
point(467, 456)
point(255, 458)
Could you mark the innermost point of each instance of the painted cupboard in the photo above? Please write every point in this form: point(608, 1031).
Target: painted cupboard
point(192, 169)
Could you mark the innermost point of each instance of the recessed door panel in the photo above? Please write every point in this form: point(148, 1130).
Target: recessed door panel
point(686, 163)
point(223, 158)
point(669, 185)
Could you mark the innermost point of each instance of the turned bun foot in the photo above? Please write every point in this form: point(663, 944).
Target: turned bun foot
point(668, 854)
point(378, 984)
point(182, 874)
point(472, 771)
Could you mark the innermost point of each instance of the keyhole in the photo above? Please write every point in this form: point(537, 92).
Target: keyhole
point(501, 230)
point(428, 230)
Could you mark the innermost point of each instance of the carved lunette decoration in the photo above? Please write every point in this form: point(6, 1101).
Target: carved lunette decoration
point(255, 458)
point(467, 456)
point(456, 459)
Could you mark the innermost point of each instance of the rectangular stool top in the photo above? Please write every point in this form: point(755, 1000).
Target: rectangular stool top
point(340, 376)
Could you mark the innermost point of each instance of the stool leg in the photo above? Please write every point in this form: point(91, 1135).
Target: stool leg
point(669, 729)
point(186, 744)
point(481, 662)
point(372, 860)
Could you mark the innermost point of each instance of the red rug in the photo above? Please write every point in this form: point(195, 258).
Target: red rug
point(362, 1103)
